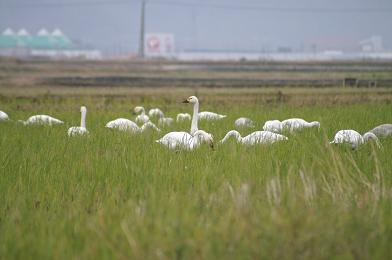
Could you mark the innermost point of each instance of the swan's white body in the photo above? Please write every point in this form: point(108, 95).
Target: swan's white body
point(123, 124)
point(155, 112)
point(183, 117)
point(210, 116)
point(258, 137)
point(79, 130)
point(354, 138)
point(142, 118)
point(382, 131)
point(295, 124)
point(3, 116)
point(244, 122)
point(165, 121)
point(186, 141)
point(42, 120)
point(273, 126)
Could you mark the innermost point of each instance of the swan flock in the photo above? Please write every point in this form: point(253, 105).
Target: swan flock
point(272, 131)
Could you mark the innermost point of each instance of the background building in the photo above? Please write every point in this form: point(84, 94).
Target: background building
point(372, 44)
point(159, 45)
point(43, 44)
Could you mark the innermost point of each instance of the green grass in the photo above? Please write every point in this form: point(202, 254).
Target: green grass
point(116, 195)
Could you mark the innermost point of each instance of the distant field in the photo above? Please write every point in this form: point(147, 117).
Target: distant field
point(162, 81)
point(116, 195)
point(184, 74)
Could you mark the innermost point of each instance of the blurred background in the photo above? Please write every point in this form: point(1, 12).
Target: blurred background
point(197, 30)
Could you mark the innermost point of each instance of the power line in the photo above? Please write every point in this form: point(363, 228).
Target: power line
point(65, 4)
point(276, 9)
point(212, 5)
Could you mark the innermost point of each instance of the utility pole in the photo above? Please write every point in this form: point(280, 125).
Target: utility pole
point(141, 36)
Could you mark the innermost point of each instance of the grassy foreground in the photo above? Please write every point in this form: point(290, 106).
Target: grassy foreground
point(115, 195)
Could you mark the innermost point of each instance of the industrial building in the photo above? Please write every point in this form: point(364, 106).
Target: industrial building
point(43, 44)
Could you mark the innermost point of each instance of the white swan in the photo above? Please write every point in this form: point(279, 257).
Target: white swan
point(258, 137)
point(142, 118)
point(41, 120)
point(80, 130)
point(243, 122)
point(155, 112)
point(195, 101)
point(382, 131)
point(183, 117)
point(123, 124)
point(165, 121)
point(295, 124)
point(3, 116)
point(183, 140)
point(354, 138)
point(273, 126)
point(205, 115)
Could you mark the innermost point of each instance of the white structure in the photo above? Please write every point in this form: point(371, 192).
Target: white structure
point(57, 32)
point(328, 55)
point(23, 32)
point(55, 45)
point(372, 44)
point(68, 54)
point(8, 32)
point(43, 32)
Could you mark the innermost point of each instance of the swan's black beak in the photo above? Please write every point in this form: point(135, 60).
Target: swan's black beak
point(185, 101)
point(212, 146)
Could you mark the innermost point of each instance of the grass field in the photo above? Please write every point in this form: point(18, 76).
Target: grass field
point(116, 195)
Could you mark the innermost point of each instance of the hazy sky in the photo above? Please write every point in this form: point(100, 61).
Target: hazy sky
point(113, 25)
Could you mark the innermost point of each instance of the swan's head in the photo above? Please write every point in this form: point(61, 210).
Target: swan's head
point(316, 123)
point(191, 99)
point(83, 109)
point(203, 136)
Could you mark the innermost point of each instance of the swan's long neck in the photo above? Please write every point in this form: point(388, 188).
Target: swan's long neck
point(367, 136)
point(231, 133)
point(143, 112)
point(83, 119)
point(195, 118)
